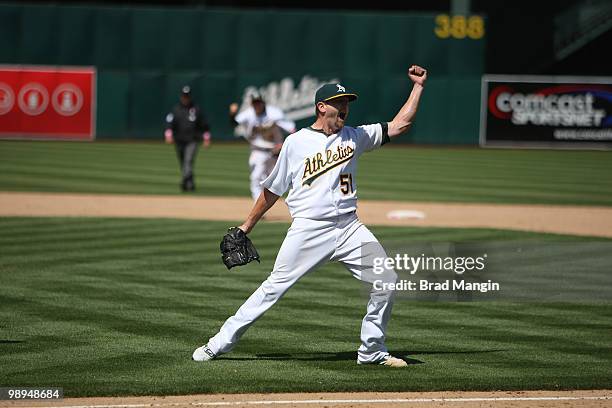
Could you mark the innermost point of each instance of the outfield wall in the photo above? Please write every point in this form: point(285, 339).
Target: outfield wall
point(144, 55)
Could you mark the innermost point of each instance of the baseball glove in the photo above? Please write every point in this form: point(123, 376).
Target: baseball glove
point(237, 249)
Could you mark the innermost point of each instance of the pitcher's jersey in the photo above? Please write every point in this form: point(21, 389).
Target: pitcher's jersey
point(321, 171)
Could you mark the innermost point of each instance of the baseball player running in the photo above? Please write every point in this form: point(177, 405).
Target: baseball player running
point(318, 166)
point(263, 124)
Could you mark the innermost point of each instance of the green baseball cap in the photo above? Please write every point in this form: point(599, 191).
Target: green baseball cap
point(333, 91)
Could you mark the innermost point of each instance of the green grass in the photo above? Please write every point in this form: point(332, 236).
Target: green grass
point(392, 173)
point(116, 306)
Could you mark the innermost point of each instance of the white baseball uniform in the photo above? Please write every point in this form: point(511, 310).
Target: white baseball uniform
point(263, 132)
point(320, 173)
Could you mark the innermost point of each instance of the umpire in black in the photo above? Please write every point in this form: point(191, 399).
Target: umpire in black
point(187, 127)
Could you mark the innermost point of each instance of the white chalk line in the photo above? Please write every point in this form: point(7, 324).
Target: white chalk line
point(340, 401)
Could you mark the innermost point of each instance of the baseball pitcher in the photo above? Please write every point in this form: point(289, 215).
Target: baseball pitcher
point(318, 165)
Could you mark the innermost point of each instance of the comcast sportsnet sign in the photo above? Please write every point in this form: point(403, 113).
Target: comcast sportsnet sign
point(47, 102)
point(546, 111)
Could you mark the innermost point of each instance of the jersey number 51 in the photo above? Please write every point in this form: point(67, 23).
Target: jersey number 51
point(346, 183)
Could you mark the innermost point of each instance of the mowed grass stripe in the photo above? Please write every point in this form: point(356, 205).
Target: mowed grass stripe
point(134, 302)
point(408, 151)
point(100, 176)
point(444, 194)
point(395, 173)
point(507, 178)
point(461, 160)
point(461, 163)
point(82, 230)
point(488, 174)
point(119, 153)
point(488, 188)
point(112, 167)
point(457, 189)
point(51, 225)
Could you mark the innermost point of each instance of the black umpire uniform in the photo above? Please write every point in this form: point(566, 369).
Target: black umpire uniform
point(187, 126)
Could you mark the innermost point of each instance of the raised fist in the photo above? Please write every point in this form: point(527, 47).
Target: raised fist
point(417, 74)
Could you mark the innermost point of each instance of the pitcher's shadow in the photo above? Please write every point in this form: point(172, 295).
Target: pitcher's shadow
point(350, 355)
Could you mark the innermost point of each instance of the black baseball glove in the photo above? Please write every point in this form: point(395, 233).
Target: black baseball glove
point(237, 249)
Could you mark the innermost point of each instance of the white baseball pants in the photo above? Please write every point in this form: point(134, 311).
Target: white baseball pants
point(308, 244)
point(261, 163)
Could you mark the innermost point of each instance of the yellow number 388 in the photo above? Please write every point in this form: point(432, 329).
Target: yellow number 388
point(459, 27)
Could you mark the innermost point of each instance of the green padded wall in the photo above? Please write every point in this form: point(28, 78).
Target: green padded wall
point(144, 56)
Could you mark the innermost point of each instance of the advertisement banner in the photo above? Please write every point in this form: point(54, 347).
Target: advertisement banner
point(528, 111)
point(47, 102)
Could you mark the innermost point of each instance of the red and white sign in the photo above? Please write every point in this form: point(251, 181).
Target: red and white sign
point(47, 102)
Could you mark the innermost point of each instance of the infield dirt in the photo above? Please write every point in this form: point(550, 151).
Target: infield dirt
point(572, 220)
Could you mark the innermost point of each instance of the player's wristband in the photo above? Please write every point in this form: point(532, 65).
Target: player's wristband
point(385, 133)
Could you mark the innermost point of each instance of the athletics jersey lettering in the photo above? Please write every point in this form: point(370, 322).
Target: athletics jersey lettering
point(310, 165)
point(315, 166)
